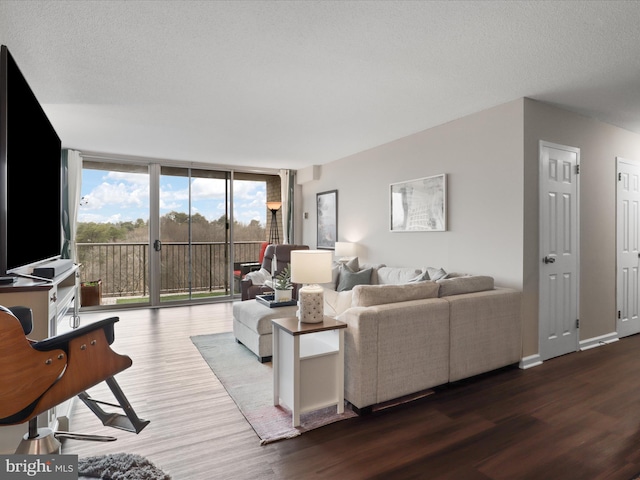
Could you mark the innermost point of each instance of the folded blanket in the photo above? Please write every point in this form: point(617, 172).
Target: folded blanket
point(259, 277)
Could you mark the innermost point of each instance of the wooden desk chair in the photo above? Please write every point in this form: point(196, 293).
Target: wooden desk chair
point(37, 376)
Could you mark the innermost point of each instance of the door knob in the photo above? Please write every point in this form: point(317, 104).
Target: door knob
point(549, 259)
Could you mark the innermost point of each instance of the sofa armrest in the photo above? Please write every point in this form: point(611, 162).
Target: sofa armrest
point(360, 356)
point(245, 284)
point(486, 331)
point(249, 291)
point(395, 349)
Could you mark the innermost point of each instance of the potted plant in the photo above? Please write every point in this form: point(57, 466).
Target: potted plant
point(282, 285)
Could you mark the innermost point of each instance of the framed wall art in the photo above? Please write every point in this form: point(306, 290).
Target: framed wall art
point(419, 205)
point(327, 218)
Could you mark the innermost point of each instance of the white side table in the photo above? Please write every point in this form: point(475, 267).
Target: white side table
point(308, 365)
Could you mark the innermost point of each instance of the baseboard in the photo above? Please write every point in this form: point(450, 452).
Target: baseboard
point(599, 341)
point(63, 416)
point(530, 361)
point(535, 360)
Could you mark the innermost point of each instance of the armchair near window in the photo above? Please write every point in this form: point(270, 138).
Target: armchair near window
point(283, 256)
point(37, 376)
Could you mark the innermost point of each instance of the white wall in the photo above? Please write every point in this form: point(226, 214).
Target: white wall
point(491, 159)
point(599, 145)
point(482, 154)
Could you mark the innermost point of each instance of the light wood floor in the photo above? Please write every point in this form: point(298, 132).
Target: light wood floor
point(574, 417)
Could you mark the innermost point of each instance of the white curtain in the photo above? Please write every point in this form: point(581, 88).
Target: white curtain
point(287, 178)
point(74, 182)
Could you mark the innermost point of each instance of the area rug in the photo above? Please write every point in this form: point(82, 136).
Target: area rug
point(250, 385)
point(119, 466)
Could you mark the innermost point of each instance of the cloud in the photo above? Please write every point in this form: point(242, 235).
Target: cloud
point(124, 196)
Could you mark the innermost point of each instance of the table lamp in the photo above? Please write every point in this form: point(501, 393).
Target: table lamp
point(311, 267)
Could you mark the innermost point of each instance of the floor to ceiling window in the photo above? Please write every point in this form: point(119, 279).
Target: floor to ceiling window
point(158, 235)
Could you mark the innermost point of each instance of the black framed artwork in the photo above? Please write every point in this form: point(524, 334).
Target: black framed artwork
point(327, 219)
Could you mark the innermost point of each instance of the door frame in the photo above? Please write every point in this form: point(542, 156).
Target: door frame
point(542, 144)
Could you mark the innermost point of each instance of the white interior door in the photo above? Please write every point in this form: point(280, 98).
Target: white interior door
point(558, 307)
point(628, 251)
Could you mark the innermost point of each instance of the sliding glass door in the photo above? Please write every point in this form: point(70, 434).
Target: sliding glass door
point(194, 234)
point(155, 234)
point(112, 234)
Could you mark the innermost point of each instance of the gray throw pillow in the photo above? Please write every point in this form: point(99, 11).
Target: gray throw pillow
point(352, 264)
point(349, 279)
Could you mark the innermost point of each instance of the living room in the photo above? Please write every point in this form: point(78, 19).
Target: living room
point(490, 153)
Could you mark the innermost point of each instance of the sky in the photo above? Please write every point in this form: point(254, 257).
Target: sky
point(110, 197)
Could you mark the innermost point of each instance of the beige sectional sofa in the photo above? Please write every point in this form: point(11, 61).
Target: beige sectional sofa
point(407, 333)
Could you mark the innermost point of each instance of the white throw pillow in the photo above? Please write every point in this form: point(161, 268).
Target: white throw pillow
point(336, 302)
point(436, 273)
point(397, 275)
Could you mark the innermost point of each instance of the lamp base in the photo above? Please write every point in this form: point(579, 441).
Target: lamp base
point(310, 304)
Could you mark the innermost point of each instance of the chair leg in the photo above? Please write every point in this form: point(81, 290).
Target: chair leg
point(129, 421)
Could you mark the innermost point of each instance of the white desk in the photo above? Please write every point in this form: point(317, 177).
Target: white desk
point(308, 365)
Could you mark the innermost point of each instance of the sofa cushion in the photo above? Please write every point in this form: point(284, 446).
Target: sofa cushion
point(349, 279)
point(257, 317)
point(466, 284)
point(397, 275)
point(374, 271)
point(336, 302)
point(370, 295)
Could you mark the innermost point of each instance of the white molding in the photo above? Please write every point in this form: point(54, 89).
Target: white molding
point(62, 421)
point(530, 361)
point(599, 341)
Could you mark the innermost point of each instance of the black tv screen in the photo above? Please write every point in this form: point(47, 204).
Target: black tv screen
point(30, 174)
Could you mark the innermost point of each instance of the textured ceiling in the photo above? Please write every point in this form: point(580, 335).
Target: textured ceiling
point(286, 84)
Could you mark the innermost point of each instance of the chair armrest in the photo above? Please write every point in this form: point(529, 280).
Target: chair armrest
point(244, 288)
point(61, 341)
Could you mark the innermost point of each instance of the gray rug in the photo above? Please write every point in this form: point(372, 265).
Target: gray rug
point(250, 385)
point(119, 466)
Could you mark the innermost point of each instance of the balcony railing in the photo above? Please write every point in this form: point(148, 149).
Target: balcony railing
point(124, 267)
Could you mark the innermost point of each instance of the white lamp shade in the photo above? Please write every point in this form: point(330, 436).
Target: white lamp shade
point(311, 266)
point(345, 249)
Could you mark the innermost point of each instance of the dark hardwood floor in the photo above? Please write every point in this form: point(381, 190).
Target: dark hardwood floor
point(574, 417)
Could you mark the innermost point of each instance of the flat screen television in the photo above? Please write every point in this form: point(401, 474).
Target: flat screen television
point(30, 175)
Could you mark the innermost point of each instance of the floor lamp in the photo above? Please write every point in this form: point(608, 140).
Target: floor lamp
point(274, 235)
